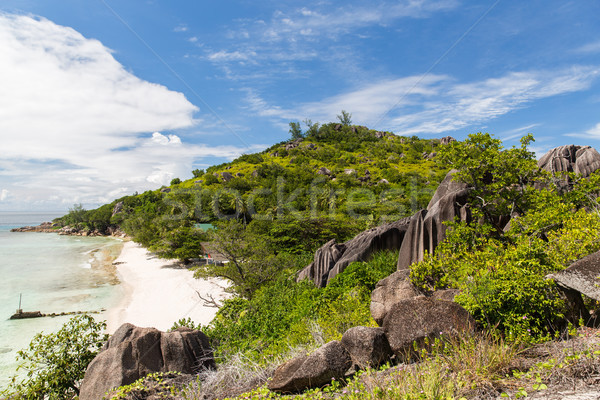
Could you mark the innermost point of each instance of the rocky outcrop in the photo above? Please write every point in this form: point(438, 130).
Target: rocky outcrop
point(582, 160)
point(447, 140)
point(132, 353)
point(582, 277)
point(333, 258)
point(426, 228)
point(324, 171)
point(390, 291)
point(368, 347)
point(412, 321)
point(313, 370)
point(226, 176)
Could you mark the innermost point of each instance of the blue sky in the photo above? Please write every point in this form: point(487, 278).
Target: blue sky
point(102, 98)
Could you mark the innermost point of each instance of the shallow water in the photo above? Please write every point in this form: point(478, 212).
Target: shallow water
point(54, 274)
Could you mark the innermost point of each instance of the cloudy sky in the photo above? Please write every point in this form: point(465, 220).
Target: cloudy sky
point(102, 98)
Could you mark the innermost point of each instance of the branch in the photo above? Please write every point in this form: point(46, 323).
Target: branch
point(210, 301)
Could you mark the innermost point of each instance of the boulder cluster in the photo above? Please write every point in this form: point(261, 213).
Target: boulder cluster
point(409, 322)
point(132, 353)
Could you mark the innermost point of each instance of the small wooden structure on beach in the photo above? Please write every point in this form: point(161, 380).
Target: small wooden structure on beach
point(211, 255)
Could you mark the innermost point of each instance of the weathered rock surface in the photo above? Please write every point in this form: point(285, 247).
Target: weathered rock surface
point(390, 291)
point(226, 176)
point(311, 371)
point(570, 158)
point(368, 347)
point(447, 140)
point(583, 276)
point(414, 320)
point(324, 171)
point(132, 353)
point(333, 258)
point(426, 228)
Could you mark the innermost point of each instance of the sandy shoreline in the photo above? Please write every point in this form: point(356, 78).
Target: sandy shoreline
point(156, 293)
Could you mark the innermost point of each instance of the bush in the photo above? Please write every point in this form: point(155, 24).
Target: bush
point(56, 362)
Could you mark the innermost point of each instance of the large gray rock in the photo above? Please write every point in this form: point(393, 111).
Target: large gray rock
point(412, 321)
point(368, 347)
point(311, 371)
point(333, 258)
point(132, 353)
point(582, 160)
point(388, 292)
point(427, 229)
point(583, 276)
point(226, 176)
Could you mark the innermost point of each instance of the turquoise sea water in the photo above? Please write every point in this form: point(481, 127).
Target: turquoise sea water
point(54, 274)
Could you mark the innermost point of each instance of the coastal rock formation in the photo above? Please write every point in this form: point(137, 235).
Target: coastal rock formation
point(582, 160)
point(333, 258)
point(311, 371)
point(426, 228)
point(368, 347)
point(132, 353)
point(414, 320)
point(390, 291)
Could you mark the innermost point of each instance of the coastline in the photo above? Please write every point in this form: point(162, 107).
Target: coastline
point(156, 292)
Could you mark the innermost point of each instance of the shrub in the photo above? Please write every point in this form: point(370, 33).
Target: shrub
point(56, 362)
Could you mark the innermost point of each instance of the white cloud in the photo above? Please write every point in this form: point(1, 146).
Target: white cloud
point(231, 56)
point(181, 28)
point(594, 132)
point(291, 33)
point(75, 126)
point(589, 48)
point(436, 103)
point(3, 194)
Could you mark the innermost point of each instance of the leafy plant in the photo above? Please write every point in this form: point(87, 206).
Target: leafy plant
point(55, 363)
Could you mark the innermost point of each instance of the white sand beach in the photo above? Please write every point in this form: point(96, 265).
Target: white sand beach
point(157, 292)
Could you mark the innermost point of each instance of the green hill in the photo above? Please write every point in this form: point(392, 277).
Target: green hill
point(330, 183)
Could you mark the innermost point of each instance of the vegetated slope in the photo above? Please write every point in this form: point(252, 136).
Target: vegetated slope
point(332, 183)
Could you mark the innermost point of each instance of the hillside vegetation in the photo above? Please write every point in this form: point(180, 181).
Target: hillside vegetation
point(273, 209)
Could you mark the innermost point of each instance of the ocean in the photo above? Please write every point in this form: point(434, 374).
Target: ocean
point(52, 274)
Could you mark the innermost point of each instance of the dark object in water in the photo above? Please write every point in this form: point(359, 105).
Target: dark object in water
point(37, 314)
point(27, 314)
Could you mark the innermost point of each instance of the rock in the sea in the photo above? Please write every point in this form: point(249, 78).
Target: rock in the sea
point(412, 321)
point(311, 371)
point(390, 291)
point(368, 347)
point(132, 353)
point(333, 258)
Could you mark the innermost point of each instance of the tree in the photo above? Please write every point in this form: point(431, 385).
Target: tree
point(198, 173)
point(502, 180)
point(56, 362)
point(295, 131)
point(175, 181)
point(345, 118)
point(250, 262)
point(313, 128)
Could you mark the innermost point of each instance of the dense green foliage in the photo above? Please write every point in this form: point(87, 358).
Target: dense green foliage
point(55, 363)
point(286, 313)
point(501, 271)
point(371, 177)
